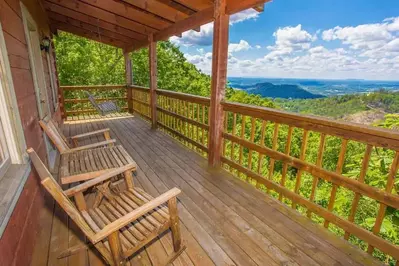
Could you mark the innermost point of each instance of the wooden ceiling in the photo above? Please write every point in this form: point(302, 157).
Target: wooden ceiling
point(128, 23)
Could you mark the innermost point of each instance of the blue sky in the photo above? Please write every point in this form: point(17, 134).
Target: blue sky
point(307, 39)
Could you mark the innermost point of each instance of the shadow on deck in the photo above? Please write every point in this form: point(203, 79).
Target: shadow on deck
point(224, 221)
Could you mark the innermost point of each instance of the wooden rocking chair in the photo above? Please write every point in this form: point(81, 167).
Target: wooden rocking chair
point(61, 142)
point(103, 108)
point(86, 162)
point(119, 224)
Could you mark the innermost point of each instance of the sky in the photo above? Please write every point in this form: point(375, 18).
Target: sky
point(316, 39)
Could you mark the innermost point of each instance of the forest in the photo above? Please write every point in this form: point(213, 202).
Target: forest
point(84, 62)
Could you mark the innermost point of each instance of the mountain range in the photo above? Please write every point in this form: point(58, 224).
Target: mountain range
point(286, 91)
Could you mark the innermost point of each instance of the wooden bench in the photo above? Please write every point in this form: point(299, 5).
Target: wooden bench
point(118, 224)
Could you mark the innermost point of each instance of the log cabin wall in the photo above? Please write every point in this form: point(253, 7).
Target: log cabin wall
point(17, 241)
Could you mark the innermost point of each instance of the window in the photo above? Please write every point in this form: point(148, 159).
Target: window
point(12, 140)
point(14, 169)
point(4, 154)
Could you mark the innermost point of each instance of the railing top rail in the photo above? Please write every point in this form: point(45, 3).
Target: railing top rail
point(138, 87)
point(347, 130)
point(185, 96)
point(92, 87)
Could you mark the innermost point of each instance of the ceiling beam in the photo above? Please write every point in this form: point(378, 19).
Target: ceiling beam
point(158, 8)
point(259, 8)
point(129, 12)
point(104, 15)
point(53, 8)
point(196, 5)
point(198, 19)
point(87, 34)
point(235, 6)
point(182, 8)
point(63, 19)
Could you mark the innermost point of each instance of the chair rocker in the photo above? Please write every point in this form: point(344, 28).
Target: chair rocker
point(103, 108)
point(119, 224)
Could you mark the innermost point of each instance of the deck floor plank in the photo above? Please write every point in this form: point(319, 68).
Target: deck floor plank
point(224, 221)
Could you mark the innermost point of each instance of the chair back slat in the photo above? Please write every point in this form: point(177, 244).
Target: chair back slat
point(92, 100)
point(58, 194)
point(54, 133)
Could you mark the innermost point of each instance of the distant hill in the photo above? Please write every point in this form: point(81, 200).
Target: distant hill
point(285, 91)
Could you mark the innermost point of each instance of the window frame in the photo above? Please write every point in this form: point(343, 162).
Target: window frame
point(15, 174)
point(9, 112)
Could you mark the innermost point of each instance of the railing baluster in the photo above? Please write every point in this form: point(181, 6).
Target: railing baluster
point(252, 137)
point(388, 188)
point(262, 143)
point(340, 165)
point(274, 147)
point(233, 133)
point(302, 156)
point(203, 122)
point(319, 162)
point(285, 165)
point(243, 118)
point(362, 176)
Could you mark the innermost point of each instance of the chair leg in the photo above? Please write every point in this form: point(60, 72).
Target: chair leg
point(116, 249)
point(174, 224)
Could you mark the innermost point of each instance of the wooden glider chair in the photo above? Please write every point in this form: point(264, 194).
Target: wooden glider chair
point(103, 108)
point(86, 162)
point(120, 223)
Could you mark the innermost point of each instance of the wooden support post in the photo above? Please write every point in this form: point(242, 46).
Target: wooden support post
point(62, 102)
point(129, 81)
point(60, 98)
point(219, 75)
point(153, 79)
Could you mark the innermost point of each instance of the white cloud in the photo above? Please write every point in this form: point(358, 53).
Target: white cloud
point(205, 35)
point(241, 46)
point(368, 51)
point(201, 38)
point(366, 36)
point(244, 15)
point(290, 40)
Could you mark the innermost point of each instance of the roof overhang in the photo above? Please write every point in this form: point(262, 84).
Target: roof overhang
point(128, 23)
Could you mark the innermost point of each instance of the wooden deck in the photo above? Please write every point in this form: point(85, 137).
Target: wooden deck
point(224, 221)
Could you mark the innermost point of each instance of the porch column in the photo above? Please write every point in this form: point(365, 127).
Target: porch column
point(129, 81)
point(218, 86)
point(153, 79)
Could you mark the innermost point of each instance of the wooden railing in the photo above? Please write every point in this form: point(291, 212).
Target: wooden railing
point(258, 147)
point(141, 101)
point(308, 163)
point(184, 117)
point(74, 101)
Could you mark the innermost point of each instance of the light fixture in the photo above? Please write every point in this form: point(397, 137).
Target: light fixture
point(45, 44)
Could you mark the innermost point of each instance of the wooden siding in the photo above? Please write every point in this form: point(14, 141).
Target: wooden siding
point(17, 241)
point(224, 220)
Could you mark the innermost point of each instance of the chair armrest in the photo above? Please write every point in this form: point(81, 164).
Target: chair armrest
point(90, 146)
point(134, 215)
point(90, 133)
point(84, 186)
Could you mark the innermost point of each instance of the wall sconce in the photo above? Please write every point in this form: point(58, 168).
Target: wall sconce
point(45, 44)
